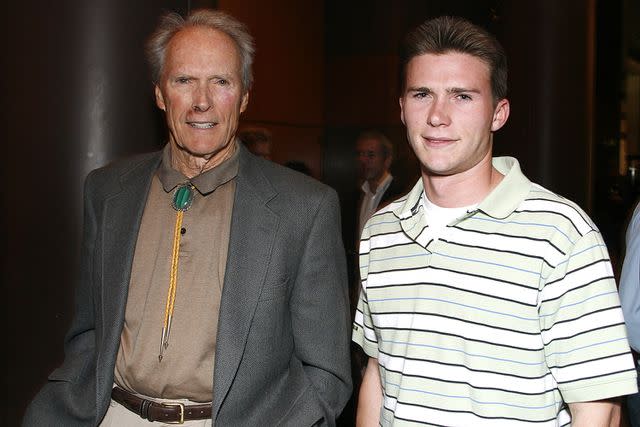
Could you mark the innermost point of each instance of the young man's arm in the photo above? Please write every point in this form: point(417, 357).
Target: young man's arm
point(600, 413)
point(370, 396)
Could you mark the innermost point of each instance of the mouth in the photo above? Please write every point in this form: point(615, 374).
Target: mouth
point(202, 125)
point(438, 140)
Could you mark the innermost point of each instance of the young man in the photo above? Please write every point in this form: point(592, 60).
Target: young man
point(486, 299)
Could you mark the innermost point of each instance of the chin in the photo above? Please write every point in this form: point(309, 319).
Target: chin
point(201, 150)
point(438, 170)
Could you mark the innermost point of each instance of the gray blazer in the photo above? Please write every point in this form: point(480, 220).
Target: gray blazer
point(282, 355)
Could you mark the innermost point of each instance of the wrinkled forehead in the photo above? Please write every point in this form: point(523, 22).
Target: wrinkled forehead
point(199, 45)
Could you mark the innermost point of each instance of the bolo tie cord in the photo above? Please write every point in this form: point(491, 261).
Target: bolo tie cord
point(182, 201)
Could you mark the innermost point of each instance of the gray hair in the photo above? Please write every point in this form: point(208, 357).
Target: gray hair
point(454, 34)
point(385, 143)
point(172, 23)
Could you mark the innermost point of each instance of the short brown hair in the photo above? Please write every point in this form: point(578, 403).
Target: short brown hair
point(454, 34)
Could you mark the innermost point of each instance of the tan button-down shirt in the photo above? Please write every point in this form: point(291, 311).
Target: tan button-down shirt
point(186, 370)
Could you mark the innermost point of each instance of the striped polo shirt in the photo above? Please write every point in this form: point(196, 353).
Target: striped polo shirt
point(510, 314)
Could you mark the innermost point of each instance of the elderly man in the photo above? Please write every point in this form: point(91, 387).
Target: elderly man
point(213, 285)
point(486, 299)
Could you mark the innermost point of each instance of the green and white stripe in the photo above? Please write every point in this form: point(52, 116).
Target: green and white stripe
point(506, 317)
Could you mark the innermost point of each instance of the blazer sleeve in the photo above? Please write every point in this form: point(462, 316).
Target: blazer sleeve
point(320, 310)
point(68, 396)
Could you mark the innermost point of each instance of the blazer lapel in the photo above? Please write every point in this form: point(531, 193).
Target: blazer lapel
point(122, 215)
point(253, 231)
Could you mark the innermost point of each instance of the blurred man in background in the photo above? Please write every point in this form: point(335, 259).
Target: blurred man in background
point(258, 141)
point(374, 153)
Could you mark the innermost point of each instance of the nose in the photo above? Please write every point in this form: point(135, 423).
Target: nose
point(201, 99)
point(438, 114)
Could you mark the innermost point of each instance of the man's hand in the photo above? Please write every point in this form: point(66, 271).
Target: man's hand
point(370, 396)
point(600, 413)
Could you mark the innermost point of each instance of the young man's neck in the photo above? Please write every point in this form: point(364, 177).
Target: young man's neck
point(464, 189)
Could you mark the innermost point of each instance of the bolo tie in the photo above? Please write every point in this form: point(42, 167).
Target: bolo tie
point(182, 200)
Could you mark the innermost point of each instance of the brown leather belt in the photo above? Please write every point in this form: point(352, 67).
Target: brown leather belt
point(167, 412)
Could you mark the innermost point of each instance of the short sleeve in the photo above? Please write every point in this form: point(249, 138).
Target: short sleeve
point(582, 326)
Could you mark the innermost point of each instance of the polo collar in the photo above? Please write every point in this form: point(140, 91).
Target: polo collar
point(501, 202)
point(512, 190)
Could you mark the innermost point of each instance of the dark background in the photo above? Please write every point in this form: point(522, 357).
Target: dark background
point(76, 94)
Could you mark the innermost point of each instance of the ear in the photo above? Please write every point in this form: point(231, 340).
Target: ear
point(400, 100)
point(500, 114)
point(244, 102)
point(159, 98)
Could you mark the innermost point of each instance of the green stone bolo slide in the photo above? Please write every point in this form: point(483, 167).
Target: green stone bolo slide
point(183, 198)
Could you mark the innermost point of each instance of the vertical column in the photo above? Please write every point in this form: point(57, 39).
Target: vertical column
point(77, 95)
point(288, 95)
point(551, 51)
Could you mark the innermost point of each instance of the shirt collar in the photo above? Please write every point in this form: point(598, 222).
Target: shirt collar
point(499, 203)
point(512, 190)
point(382, 187)
point(207, 181)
